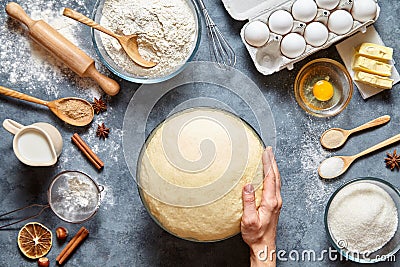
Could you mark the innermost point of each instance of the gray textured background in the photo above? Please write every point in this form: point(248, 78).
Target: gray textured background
point(122, 233)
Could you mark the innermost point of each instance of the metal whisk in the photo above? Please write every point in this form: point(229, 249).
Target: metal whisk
point(220, 49)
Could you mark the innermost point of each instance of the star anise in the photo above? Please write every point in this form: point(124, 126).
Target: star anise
point(393, 160)
point(102, 131)
point(99, 105)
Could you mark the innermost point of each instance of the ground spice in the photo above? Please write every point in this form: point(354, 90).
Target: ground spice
point(333, 138)
point(75, 109)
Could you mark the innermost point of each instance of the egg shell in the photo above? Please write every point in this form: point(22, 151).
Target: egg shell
point(304, 10)
point(293, 45)
point(327, 4)
point(364, 10)
point(280, 22)
point(316, 34)
point(256, 33)
point(340, 22)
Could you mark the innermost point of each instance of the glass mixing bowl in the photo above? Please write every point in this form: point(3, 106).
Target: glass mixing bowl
point(389, 249)
point(207, 191)
point(328, 70)
point(119, 71)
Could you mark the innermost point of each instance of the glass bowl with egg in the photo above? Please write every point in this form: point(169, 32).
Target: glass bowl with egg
point(362, 220)
point(168, 35)
point(323, 87)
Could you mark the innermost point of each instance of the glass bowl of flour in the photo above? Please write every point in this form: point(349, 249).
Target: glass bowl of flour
point(168, 34)
point(362, 220)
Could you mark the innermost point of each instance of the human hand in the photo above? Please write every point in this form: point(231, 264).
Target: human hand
point(259, 225)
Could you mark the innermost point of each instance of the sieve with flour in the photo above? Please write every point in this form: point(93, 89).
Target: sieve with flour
point(73, 196)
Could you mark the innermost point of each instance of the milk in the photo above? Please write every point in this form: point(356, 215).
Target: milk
point(34, 146)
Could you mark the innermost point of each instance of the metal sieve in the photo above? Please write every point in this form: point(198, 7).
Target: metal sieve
point(72, 195)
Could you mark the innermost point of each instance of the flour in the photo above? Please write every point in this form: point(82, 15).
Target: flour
point(310, 154)
point(79, 194)
point(76, 199)
point(29, 68)
point(363, 217)
point(166, 33)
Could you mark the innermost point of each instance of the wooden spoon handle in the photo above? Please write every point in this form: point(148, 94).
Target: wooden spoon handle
point(378, 121)
point(387, 142)
point(15, 94)
point(85, 20)
point(15, 11)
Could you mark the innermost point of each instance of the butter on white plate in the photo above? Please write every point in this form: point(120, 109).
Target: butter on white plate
point(346, 51)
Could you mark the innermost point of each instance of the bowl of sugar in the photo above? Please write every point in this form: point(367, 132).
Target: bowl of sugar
point(362, 220)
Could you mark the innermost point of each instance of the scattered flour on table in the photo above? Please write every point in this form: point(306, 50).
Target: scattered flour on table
point(311, 154)
point(32, 69)
point(165, 28)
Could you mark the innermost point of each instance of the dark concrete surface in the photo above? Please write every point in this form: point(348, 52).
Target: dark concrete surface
point(122, 233)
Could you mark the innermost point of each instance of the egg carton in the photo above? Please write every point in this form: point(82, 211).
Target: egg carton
point(269, 58)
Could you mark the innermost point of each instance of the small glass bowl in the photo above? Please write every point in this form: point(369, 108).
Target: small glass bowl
point(117, 70)
point(390, 248)
point(331, 71)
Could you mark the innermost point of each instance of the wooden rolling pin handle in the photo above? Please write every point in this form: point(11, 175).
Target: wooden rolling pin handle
point(16, 94)
point(15, 11)
point(108, 85)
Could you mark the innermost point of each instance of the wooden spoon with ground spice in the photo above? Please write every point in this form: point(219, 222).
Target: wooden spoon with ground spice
point(336, 137)
point(72, 110)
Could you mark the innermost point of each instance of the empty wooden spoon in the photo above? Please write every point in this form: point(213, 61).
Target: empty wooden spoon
point(128, 42)
point(72, 110)
point(336, 137)
point(333, 167)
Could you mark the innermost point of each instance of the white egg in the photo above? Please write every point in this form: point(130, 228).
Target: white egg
point(316, 34)
point(256, 33)
point(340, 22)
point(364, 10)
point(280, 22)
point(304, 10)
point(327, 4)
point(293, 45)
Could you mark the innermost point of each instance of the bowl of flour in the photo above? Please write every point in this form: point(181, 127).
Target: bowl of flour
point(168, 33)
point(362, 220)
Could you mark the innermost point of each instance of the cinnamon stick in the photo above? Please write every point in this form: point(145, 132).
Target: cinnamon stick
point(93, 158)
point(72, 245)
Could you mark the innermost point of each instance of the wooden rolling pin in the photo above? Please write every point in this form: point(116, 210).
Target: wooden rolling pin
point(63, 49)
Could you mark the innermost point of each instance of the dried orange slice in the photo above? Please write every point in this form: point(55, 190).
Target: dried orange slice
point(34, 240)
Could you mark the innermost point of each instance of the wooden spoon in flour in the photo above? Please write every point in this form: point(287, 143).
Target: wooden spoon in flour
point(128, 42)
point(336, 137)
point(72, 110)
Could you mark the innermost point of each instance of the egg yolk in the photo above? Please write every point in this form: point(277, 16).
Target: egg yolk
point(323, 90)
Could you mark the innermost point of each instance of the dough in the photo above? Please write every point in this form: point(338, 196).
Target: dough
point(192, 170)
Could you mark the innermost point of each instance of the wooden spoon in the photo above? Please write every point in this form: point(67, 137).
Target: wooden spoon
point(128, 42)
point(56, 106)
point(344, 162)
point(336, 137)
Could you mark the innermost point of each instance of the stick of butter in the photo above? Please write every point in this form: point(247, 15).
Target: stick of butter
point(379, 52)
point(374, 80)
point(361, 63)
